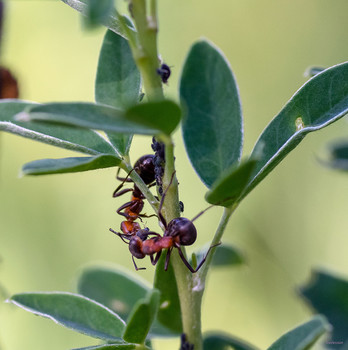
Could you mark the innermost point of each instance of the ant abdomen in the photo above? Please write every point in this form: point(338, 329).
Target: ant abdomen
point(182, 229)
point(145, 167)
point(135, 247)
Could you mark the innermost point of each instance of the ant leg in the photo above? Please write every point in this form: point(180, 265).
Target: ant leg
point(123, 182)
point(135, 265)
point(118, 234)
point(154, 261)
point(200, 264)
point(118, 193)
point(169, 251)
point(147, 216)
point(124, 206)
point(202, 212)
point(163, 220)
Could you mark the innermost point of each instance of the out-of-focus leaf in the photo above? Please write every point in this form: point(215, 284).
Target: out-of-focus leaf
point(221, 341)
point(85, 115)
point(225, 255)
point(302, 337)
point(328, 295)
point(112, 21)
point(69, 165)
point(73, 311)
point(141, 318)
point(160, 115)
point(228, 188)
point(212, 122)
point(312, 71)
point(111, 287)
point(338, 158)
point(318, 103)
point(169, 312)
point(76, 139)
point(98, 11)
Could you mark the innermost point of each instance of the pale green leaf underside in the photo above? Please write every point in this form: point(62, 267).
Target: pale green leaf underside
point(73, 311)
point(69, 165)
point(76, 139)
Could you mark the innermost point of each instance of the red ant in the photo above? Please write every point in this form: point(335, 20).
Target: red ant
point(179, 232)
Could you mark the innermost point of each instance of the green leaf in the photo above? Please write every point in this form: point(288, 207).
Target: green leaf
point(118, 79)
point(76, 139)
point(169, 313)
point(312, 71)
point(69, 165)
point(338, 158)
point(111, 286)
point(225, 255)
point(160, 115)
point(318, 103)
point(328, 295)
point(302, 337)
point(119, 346)
point(97, 12)
point(141, 318)
point(221, 341)
point(73, 311)
point(212, 124)
point(228, 188)
point(85, 115)
point(111, 21)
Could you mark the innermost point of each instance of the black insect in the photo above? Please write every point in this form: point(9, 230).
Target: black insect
point(164, 72)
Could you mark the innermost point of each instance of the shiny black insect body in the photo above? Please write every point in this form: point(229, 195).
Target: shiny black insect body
point(164, 72)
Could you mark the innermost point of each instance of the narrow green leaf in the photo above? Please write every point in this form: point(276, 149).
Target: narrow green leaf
point(160, 115)
point(120, 346)
point(69, 165)
point(169, 312)
point(76, 139)
point(111, 286)
point(221, 341)
point(225, 255)
point(73, 311)
point(302, 337)
point(118, 79)
point(212, 124)
point(328, 295)
point(98, 11)
point(121, 142)
point(111, 21)
point(85, 115)
point(227, 189)
point(318, 103)
point(141, 318)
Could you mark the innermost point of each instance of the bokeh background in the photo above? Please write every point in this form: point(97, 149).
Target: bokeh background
point(295, 220)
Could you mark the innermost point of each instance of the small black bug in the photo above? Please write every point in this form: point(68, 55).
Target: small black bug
point(164, 72)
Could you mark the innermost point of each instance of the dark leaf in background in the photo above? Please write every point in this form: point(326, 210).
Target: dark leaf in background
point(222, 341)
point(328, 295)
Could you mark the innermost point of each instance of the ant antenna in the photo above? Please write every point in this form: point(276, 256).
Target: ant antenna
point(202, 212)
point(163, 220)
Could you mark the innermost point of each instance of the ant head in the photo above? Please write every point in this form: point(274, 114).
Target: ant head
point(145, 167)
point(135, 247)
point(183, 229)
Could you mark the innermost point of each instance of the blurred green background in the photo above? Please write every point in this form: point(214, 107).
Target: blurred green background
point(293, 221)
